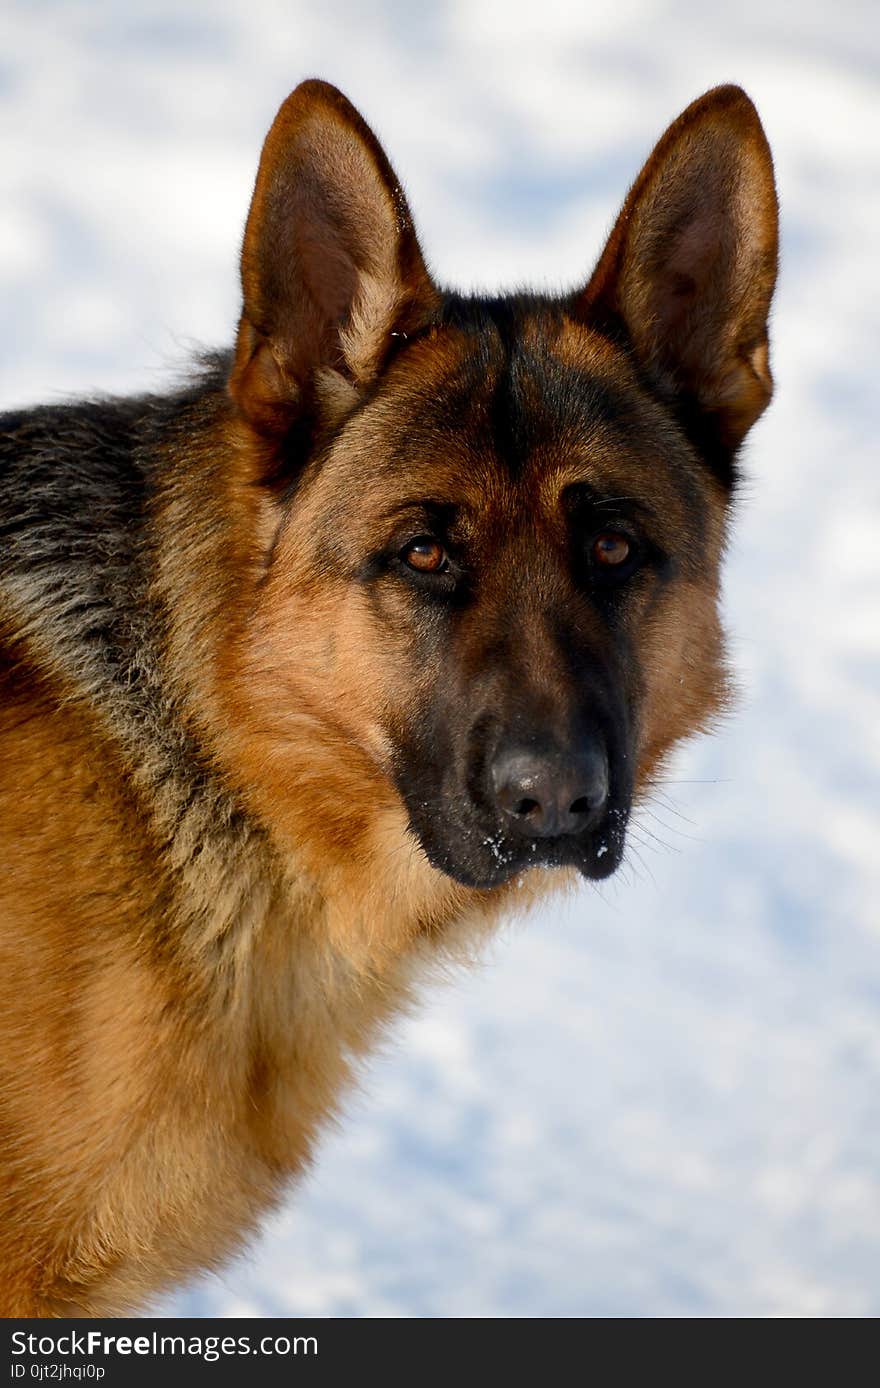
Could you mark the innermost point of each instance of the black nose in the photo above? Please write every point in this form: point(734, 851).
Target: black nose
point(545, 793)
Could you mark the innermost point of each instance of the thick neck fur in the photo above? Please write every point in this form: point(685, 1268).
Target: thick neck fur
point(233, 983)
point(152, 640)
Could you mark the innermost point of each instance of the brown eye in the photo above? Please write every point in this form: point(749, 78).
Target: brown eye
point(611, 548)
point(426, 556)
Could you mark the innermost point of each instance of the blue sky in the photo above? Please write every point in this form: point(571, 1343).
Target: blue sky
point(664, 1098)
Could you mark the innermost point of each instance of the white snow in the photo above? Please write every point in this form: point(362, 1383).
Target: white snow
point(663, 1099)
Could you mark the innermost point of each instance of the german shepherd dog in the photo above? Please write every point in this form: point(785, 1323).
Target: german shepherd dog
point(310, 670)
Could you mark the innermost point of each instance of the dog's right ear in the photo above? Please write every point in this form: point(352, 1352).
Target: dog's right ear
point(330, 265)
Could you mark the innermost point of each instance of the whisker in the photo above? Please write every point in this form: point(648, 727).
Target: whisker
point(634, 851)
point(658, 796)
point(670, 828)
point(643, 829)
point(708, 781)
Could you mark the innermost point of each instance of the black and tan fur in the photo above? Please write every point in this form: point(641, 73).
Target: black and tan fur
point(262, 759)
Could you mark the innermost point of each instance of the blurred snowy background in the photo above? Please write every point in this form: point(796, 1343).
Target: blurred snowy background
point(664, 1100)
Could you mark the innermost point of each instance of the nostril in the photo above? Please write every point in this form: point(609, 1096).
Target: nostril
point(543, 792)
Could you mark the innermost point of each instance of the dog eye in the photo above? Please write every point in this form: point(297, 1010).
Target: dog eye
point(426, 555)
point(611, 549)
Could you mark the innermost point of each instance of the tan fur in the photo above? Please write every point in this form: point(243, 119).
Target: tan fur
point(157, 1098)
point(198, 947)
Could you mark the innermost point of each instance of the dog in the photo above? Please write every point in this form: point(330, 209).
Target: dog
point(312, 669)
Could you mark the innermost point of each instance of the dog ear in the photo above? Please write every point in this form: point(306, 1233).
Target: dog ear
point(330, 264)
point(689, 269)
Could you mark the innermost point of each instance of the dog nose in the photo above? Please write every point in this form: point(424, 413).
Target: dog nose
point(547, 793)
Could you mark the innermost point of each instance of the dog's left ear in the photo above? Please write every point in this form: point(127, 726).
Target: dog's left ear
point(330, 264)
point(688, 272)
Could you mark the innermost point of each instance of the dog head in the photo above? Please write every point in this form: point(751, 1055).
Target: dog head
point(486, 589)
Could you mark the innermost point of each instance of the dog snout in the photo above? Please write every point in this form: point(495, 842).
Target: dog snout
point(549, 792)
